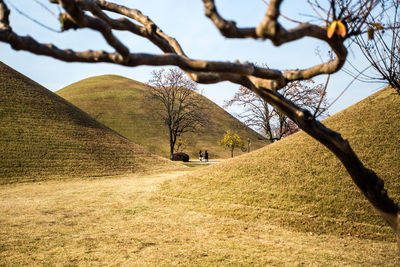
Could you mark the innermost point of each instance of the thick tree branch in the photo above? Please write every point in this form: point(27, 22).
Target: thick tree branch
point(270, 28)
point(4, 17)
point(227, 28)
point(149, 30)
point(367, 180)
point(75, 13)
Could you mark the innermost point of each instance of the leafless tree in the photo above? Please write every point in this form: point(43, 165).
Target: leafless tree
point(268, 120)
point(345, 19)
point(381, 46)
point(180, 109)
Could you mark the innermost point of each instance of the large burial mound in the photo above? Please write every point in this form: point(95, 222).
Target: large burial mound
point(118, 102)
point(42, 136)
point(297, 183)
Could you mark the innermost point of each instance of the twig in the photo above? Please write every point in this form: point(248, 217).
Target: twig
point(32, 19)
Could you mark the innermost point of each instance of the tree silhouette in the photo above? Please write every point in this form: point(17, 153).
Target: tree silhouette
point(268, 120)
point(180, 109)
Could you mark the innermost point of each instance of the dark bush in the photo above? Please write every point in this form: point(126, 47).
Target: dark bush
point(180, 157)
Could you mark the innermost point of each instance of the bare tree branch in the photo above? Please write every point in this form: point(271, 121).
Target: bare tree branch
point(381, 46)
point(227, 28)
point(181, 109)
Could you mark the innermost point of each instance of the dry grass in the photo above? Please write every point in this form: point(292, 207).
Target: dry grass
point(252, 210)
point(118, 103)
point(298, 184)
point(124, 221)
point(42, 136)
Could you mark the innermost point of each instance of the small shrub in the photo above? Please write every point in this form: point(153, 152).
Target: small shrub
point(180, 156)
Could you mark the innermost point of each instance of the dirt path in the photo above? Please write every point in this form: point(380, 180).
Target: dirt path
point(147, 182)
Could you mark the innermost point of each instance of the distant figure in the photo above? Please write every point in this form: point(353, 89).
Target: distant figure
point(206, 155)
point(200, 156)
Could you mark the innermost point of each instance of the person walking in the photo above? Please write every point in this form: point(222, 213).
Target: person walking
point(201, 156)
point(206, 155)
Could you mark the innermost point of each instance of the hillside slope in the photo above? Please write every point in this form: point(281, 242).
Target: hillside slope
point(42, 136)
point(118, 103)
point(297, 183)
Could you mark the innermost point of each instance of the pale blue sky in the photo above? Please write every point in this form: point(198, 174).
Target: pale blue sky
point(185, 21)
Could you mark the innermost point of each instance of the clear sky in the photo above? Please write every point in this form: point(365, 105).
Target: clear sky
point(185, 21)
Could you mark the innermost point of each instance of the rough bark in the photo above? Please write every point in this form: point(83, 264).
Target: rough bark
point(171, 145)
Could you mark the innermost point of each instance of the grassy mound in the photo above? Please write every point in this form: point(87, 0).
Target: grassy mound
point(118, 103)
point(42, 136)
point(297, 183)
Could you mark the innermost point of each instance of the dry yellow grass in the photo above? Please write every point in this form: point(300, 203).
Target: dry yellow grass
point(252, 210)
point(124, 221)
point(42, 136)
point(118, 102)
point(298, 184)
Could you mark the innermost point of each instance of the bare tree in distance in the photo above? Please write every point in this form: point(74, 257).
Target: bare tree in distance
point(380, 45)
point(180, 109)
point(269, 121)
point(336, 21)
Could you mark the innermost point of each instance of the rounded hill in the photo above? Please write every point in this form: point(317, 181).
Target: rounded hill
point(118, 102)
point(42, 136)
point(297, 183)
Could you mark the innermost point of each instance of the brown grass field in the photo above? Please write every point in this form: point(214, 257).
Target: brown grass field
point(298, 184)
point(117, 102)
point(124, 222)
point(42, 137)
point(288, 204)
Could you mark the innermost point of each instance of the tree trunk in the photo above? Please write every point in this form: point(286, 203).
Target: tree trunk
point(232, 152)
point(171, 153)
point(171, 145)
